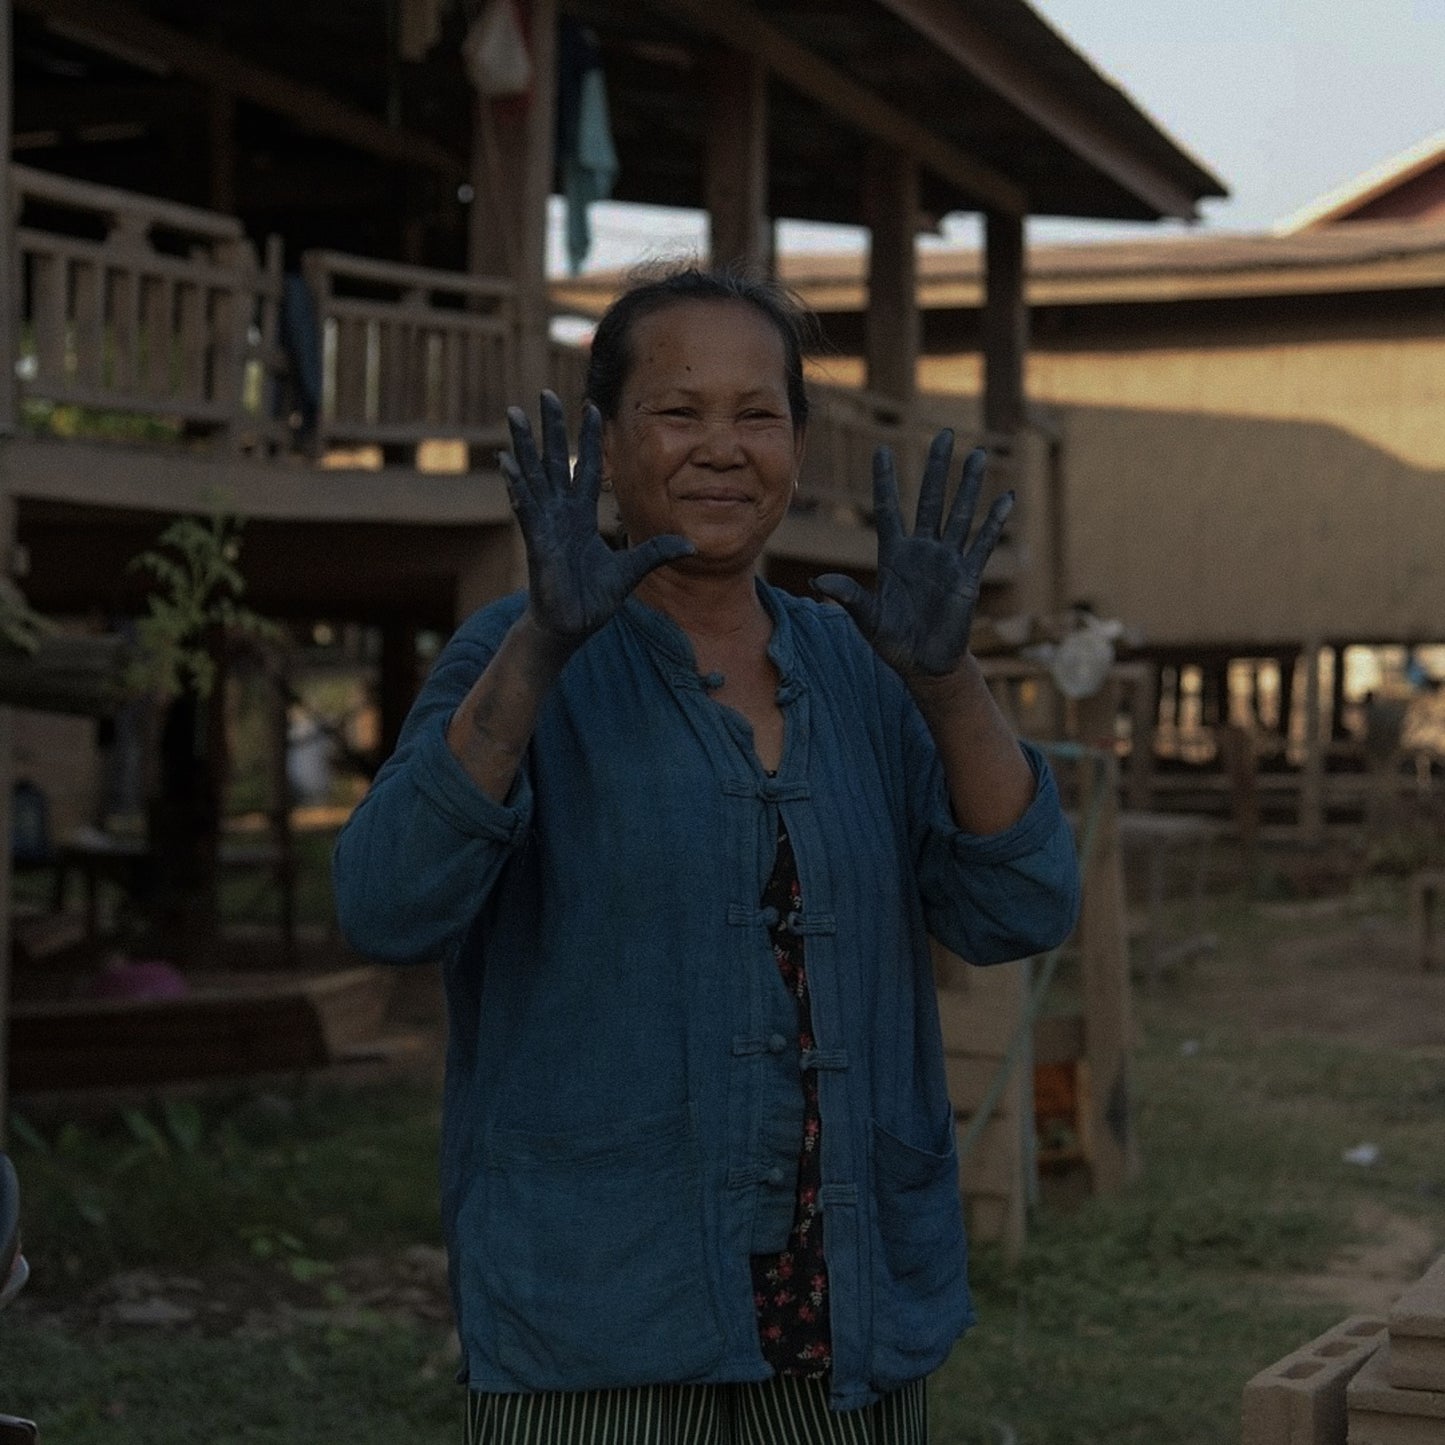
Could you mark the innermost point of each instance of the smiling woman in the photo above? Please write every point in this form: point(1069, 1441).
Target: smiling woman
point(680, 840)
point(703, 442)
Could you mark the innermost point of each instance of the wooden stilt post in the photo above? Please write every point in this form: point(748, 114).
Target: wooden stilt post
point(735, 165)
point(512, 165)
point(1312, 775)
point(891, 324)
point(7, 537)
point(1005, 325)
point(1108, 1008)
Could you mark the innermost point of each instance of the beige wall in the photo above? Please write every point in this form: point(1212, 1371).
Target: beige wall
point(1250, 494)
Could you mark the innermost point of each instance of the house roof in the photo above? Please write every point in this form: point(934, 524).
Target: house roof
point(113, 89)
point(1355, 196)
point(1364, 256)
point(990, 77)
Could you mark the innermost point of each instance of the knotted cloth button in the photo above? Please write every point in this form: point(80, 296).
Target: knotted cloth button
point(775, 1175)
point(776, 1043)
point(769, 917)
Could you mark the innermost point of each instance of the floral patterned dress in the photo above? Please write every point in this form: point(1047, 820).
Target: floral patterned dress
point(790, 1289)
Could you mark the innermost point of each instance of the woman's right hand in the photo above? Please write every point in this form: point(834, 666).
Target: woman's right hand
point(575, 580)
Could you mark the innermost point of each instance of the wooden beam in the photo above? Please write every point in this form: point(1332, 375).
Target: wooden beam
point(948, 26)
point(891, 323)
point(1004, 324)
point(1104, 963)
point(740, 26)
point(7, 538)
point(511, 171)
point(310, 108)
point(735, 163)
point(7, 241)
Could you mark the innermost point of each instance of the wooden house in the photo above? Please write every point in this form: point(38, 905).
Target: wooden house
point(220, 217)
point(1248, 460)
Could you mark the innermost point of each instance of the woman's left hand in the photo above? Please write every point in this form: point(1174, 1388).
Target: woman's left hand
point(919, 617)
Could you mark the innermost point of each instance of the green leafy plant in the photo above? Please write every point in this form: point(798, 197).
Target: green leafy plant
point(195, 602)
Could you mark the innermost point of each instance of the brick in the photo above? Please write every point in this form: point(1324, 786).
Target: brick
point(1379, 1414)
point(1417, 1334)
point(1300, 1400)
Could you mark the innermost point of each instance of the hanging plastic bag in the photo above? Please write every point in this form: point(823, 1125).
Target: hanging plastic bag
point(495, 51)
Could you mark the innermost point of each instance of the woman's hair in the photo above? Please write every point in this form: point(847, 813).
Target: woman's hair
point(611, 359)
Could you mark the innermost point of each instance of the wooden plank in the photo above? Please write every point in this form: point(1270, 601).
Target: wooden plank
point(201, 270)
point(994, 1165)
point(193, 341)
point(741, 26)
point(277, 1024)
point(341, 264)
point(996, 1219)
point(976, 1024)
point(88, 322)
point(970, 1076)
point(47, 316)
point(112, 202)
point(1059, 1039)
point(156, 310)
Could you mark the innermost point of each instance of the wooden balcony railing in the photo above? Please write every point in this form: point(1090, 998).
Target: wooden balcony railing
point(130, 304)
point(411, 353)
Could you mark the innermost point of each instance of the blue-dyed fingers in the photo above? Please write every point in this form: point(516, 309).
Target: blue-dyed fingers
point(887, 518)
point(935, 482)
point(965, 501)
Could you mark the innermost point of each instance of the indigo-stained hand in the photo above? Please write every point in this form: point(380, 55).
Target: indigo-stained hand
point(575, 581)
point(919, 617)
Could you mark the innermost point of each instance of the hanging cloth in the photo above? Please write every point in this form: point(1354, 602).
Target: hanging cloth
point(586, 156)
point(495, 51)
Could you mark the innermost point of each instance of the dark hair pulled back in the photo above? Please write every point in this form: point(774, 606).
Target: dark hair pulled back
point(611, 358)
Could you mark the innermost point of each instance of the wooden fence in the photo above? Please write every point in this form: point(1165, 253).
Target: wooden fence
point(411, 353)
point(130, 304)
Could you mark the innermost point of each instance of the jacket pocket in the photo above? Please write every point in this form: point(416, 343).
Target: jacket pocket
point(594, 1258)
point(921, 1302)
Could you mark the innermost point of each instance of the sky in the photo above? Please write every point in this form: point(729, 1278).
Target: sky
point(1283, 100)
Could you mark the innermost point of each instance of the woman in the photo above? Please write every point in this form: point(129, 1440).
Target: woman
point(680, 841)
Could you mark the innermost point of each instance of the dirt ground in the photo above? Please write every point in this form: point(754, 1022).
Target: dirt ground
point(1342, 972)
point(1331, 969)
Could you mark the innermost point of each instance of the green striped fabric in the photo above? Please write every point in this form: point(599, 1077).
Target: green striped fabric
point(785, 1410)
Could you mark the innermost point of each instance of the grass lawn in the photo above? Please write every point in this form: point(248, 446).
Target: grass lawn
point(292, 1236)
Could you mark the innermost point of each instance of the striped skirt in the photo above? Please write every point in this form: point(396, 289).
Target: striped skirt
point(786, 1410)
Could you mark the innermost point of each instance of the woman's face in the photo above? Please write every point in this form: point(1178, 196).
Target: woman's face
point(703, 443)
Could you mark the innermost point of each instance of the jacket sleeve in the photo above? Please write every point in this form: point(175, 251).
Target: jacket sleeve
point(995, 897)
point(421, 853)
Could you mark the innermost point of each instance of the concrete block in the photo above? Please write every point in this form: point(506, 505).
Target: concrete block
point(1417, 1333)
point(1379, 1414)
point(1300, 1400)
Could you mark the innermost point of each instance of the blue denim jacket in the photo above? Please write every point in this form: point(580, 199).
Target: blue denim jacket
point(623, 1113)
